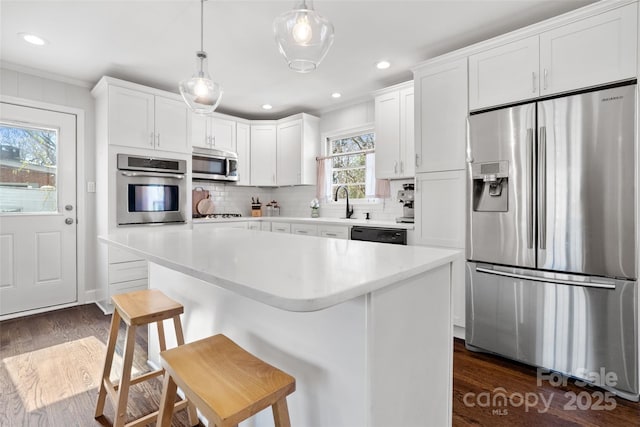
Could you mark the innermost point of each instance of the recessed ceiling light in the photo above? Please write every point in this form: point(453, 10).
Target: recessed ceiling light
point(383, 65)
point(336, 95)
point(32, 39)
point(267, 106)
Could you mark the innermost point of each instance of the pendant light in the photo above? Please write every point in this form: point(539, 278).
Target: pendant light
point(200, 92)
point(303, 36)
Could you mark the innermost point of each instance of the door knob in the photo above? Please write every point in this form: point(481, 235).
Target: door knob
point(68, 221)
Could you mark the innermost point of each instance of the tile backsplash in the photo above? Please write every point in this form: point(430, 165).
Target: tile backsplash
point(294, 201)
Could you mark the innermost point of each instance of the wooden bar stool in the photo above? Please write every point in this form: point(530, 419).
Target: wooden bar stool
point(225, 382)
point(136, 309)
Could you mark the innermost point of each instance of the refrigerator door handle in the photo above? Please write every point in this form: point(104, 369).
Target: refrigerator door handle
point(468, 141)
point(530, 188)
point(542, 188)
point(590, 284)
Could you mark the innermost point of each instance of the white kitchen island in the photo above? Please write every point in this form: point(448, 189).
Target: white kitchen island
point(365, 328)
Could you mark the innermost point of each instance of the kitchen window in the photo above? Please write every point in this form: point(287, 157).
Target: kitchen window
point(350, 161)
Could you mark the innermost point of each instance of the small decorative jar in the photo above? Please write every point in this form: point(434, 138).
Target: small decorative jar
point(315, 212)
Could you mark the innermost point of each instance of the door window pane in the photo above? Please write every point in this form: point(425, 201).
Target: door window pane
point(28, 169)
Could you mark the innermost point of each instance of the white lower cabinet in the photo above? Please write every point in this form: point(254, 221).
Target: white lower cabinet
point(253, 225)
point(440, 221)
point(281, 227)
point(333, 231)
point(229, 224)
point(304, 229)
point(265, 225)
point(127, 272)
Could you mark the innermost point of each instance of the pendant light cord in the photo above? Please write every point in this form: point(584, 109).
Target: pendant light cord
point(202, 25)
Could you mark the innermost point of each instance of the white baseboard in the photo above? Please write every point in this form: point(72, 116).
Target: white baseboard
point(90, 296)
point(458, 332)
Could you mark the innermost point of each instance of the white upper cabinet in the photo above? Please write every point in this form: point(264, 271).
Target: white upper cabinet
point(263, 154)
point(505, 74)
point(213, 132)
point(171, 119)
point(144, 120)
point(289, 153)
point(298, 142)
point(387, 128)
point(592, 51)
point(394, 128)
point(243, 148)
point(440, 113)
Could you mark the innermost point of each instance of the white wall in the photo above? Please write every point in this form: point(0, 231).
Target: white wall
point(33, 86)
point(348, 117)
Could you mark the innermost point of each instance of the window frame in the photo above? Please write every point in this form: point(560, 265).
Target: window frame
point(365, 128)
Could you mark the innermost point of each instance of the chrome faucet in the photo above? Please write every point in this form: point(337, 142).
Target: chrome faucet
point(349, 210)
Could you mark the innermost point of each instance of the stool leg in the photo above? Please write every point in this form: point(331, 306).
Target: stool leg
point(191, 409)
point(281, 413)
point(162, 342)
point(167, 400)
point(125, 379)
point(108, 361)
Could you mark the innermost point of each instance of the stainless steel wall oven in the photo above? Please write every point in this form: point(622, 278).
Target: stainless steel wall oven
point(150, 190)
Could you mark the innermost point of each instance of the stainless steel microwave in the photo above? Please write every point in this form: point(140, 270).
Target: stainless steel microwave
point(210, 164)
point(150, 190)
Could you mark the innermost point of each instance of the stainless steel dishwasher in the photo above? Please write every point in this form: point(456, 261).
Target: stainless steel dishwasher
point(396, 236)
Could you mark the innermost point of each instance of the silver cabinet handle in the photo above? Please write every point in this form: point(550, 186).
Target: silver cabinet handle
point(158, 138)
point(533, 81)
point(401, 166)
point(546, 74)
point(604, 285)
point(152, 175)
point(303, 232)
point(542, 188)
point(331, 234)
point(152, 139)
point(417, 160)
point(530, 166)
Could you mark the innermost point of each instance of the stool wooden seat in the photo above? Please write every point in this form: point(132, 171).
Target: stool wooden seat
point(137, 309)
point(225, 382)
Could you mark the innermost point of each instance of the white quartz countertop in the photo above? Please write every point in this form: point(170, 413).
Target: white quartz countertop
point(287, 271)
point(321, 220)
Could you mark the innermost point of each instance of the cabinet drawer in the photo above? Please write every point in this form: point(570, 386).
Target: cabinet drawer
point(279, 227)
point(130, 286)
point(127, 271)
point(334, 231)
point(304, 229)
point(117, 255)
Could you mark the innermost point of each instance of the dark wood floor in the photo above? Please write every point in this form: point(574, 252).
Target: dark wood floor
point(479, 381)
point(51, 364)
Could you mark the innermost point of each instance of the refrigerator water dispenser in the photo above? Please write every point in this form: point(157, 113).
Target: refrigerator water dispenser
point(490, 186)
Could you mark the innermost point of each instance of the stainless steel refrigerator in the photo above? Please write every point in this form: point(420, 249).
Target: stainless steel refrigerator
point(551, 277)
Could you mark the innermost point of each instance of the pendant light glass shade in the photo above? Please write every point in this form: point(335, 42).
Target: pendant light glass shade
point(303, 36)
point(200, 92)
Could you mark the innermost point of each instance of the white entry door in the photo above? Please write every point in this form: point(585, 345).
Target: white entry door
point(37, 208)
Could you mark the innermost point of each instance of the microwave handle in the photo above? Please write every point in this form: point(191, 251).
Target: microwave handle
point(153, 175)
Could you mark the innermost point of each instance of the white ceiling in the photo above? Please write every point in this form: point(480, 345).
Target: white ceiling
point(154, 43)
